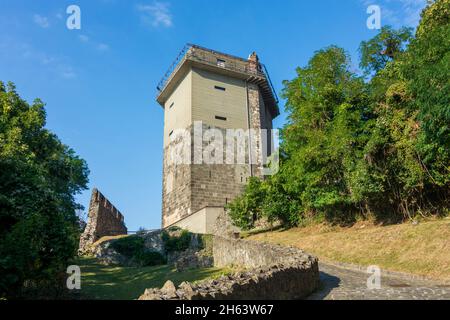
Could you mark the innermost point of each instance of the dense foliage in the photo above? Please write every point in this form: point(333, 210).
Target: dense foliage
point(39, 177)
point(176, 242)
point(133, 247)
point(375, 145)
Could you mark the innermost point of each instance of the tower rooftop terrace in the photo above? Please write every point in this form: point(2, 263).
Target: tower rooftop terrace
point(250, 70)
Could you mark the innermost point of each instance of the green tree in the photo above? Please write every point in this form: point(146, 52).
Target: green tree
point(327, 105)
point(384, 47)
point(327, 111)
point(39, 177)
point(426, 70)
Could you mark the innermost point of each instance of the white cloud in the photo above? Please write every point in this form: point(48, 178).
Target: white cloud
point(67, 72)
point(102, 47)
point(157, 14)
point(41, 61)
point(83, 38)
point(41, 21)
point(99, 46)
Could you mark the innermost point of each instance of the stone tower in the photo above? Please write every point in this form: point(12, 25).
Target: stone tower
point(207, 95)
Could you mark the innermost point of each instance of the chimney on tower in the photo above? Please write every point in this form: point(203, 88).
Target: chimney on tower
point(254, 65)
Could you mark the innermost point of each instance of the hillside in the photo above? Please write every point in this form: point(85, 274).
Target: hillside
point(422, 249)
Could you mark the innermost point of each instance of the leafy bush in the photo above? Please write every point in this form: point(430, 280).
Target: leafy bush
point(206, 242)
point(133, 248)
point(149, 258)
point(176, 243)
point(128, 246)
point(246, 209)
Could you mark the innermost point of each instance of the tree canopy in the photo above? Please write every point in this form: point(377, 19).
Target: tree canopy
point(39, 177)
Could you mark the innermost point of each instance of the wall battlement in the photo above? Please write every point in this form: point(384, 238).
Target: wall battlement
point(103, 201)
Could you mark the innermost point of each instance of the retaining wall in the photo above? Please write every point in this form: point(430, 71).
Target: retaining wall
point(271, 272)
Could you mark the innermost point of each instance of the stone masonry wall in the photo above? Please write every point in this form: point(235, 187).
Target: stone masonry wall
point(254, 106)
point(103, 220)
point(272, 272)
point(252, 254)
point(188, 188)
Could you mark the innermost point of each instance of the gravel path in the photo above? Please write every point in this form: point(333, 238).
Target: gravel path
point(341, 283)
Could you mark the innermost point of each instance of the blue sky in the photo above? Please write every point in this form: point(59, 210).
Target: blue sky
point(99, 82)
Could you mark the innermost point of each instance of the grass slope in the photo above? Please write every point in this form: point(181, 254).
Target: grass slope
point(127, 283)
point(423, 249)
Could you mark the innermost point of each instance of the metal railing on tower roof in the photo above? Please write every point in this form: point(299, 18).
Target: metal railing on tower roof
point(240, 65)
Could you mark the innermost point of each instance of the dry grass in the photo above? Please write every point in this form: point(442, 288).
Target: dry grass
point(422, 249)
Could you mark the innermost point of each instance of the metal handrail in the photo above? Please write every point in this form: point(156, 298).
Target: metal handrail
point(172, 67)
point(142, 231)
point(270, 82)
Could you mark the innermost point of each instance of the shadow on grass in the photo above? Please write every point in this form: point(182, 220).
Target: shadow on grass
point(127, 283)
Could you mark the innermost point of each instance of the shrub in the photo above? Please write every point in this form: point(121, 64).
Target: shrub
point(176, 243)
point(149, 258)
point(133, 248)
point(246, 209)
point(128, 246)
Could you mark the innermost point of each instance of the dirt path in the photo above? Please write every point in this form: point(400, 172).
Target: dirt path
point(341, 283)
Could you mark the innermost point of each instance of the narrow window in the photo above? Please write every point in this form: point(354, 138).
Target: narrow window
point(170, 133)
point(221, 118)
point(219, 88)
point(221, 63)
point(171, 105)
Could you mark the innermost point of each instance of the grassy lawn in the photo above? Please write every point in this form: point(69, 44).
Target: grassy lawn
point(126, 283)
point(422, 249)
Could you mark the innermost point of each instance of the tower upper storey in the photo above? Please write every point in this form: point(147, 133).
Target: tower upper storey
point(193, 56)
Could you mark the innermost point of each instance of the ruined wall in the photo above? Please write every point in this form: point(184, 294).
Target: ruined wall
point(103, 220)
point(272, 272)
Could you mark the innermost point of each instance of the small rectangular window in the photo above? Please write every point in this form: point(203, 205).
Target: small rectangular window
point(221, 63)
point(221, 118)
point(219, 88)
point(170, 133)
point(171, 105)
